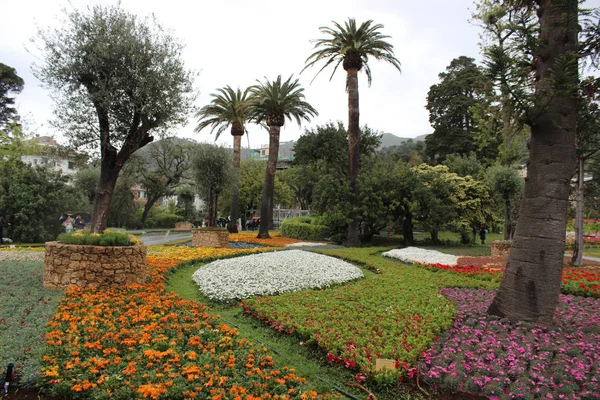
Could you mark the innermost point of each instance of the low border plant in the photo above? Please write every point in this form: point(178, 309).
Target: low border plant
point(107, 238)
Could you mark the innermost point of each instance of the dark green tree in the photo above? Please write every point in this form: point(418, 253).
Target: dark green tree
point(117, 79)
point(450, 104)
point(10, 84)
point(185, 202)
point(271, 103)
point(228, 108)
point(160, 168)
point(351, 45)
point(507, 183)
point(211, 166)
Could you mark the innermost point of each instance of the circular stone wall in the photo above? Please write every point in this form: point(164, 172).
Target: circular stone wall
point(93, 266)
point(210, 238)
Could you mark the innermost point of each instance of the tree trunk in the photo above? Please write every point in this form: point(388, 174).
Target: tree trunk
point(272, 207)
point(435, 236)
point(266, 210)
point(407, 228)
point(578, 250)
point(531, 283)
point(507, 218)
point(235, 187)
point(149, 203)
point(354, 155)
point(211, 207)
point(109, 173)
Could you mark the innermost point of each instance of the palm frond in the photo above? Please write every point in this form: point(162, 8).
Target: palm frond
point(226, 108)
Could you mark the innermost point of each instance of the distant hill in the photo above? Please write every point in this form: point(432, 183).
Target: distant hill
point(388, 139)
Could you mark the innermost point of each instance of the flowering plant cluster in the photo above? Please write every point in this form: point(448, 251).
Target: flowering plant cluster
point(421, 256)
point(250, 237)
point(106, 238)
point(141, 342)
point(486, 355)
point(272, 273)
point(395, 314)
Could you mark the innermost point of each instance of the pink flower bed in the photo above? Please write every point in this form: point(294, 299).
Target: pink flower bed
point(498, 358)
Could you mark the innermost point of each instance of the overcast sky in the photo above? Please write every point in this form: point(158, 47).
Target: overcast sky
point(236, 42)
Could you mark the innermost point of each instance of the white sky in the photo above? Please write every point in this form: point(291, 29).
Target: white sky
point(235, 42)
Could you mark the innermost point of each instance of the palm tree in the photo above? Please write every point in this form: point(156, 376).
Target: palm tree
point(271, 103)
point(352, 46)
point(228, 108)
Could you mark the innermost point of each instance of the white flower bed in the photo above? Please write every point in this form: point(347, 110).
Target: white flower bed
point(272, 273)
point(307, 244)
point(421, 256)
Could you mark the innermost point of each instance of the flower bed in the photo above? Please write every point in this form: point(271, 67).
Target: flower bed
point(250, 237)
point(272, 273)
point(486, 355)
point(141, 342)
point(421, 256)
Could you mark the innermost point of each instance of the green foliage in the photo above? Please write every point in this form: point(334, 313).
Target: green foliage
point(228, 107)
point(185, 203)
point(211, 166)
point(26, 307)
point(336, 223)
point(86, 182)
point(449, 104)
point(123, 208)
point(303, 228)
point(464, 164)
point(32, 199)
point(10, 83)
point(352, 45)
point(107, 238)
point(158, 217)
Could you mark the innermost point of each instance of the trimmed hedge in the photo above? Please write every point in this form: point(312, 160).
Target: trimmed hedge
point(301, 228)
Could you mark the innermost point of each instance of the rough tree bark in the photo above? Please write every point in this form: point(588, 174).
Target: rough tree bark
point(266, 209)
point(353, 153)
point(235, 187)
point(531, 283)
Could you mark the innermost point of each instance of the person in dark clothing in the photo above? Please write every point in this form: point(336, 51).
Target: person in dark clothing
point(2, 223)
point(482, 234)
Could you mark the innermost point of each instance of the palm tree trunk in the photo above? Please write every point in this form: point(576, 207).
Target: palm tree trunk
point(531, 283)
point(235, 187)
point(353, 152)
point(266, 210)
point(578, 250)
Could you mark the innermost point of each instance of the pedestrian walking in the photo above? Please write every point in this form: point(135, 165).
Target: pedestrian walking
point(482, 234)
point(68, 224)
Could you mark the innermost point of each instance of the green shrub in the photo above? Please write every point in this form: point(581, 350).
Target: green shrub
point(108, 238)
point(337, 224)
point(303, 228)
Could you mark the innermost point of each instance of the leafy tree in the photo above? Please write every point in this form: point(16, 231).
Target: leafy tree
point(531, 283)
point(450, 104)
point(445, 199)
point(117, 78)
point(123, 208)
point(301, 180)
point(228, 108)
point(464, 164)
point(33, 199)
point(185, 202)
point(212, 171)
point(507, 43)
point(10, 83)
point(86, 183)
point(272, 102)
point(351, 45)
point(407, 151)
point(160, 168)
point(588, 146)
point(506, 182)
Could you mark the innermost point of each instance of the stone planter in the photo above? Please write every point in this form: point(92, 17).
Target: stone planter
point(209, 238)
point(501, 248)
point(93, 266)
point(183, 226)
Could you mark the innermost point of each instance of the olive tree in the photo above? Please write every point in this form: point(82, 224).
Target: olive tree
point(116, 79)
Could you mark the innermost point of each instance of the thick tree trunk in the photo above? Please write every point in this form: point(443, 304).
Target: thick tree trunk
point(435, 236)
point(407, 228)
point(507, 219)
point(235, 187)
point(578, 250)
point(531, 283)
point(353, 152)
point(149, 203)
point(266, 210)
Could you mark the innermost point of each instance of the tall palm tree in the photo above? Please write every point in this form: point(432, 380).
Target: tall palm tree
point(352, 46)
point(271, 103)
point(228, 108)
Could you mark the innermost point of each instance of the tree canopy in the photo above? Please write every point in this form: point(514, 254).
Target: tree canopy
point(10, 84)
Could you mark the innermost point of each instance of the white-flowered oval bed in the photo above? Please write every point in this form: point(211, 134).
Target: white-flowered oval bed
point(272, 273)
